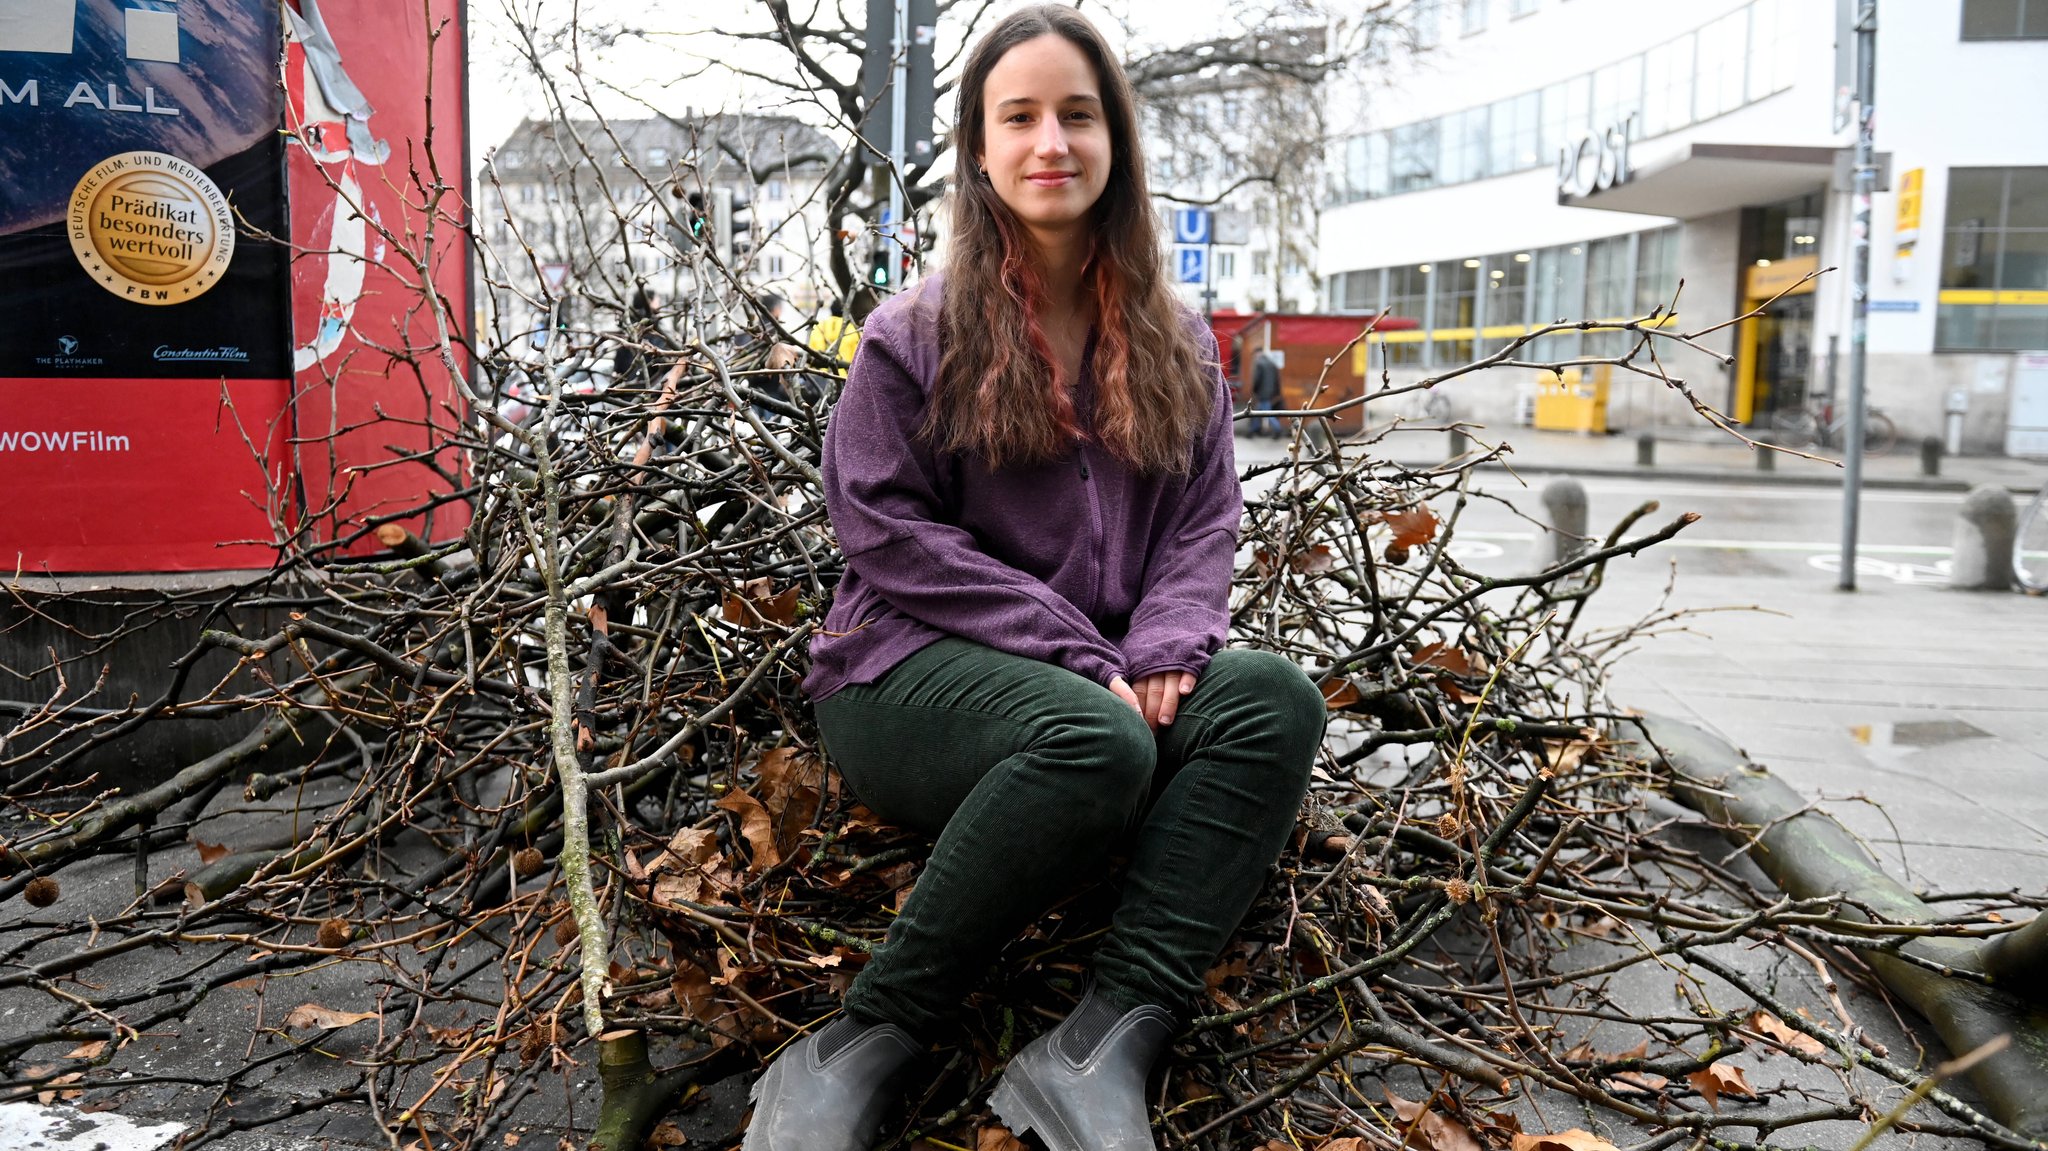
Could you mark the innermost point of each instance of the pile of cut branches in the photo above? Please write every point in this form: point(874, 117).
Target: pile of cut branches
point(546, 797)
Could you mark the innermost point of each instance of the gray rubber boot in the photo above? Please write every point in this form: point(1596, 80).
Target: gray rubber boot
point(829, 1090)
point(1081, 1086)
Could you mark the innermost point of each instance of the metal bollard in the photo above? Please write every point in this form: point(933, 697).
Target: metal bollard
point(1460, 442)
point(1985, 525)
point(1931, 450)
point(1646, 451)
point(1766, 458)
point(1564, 518)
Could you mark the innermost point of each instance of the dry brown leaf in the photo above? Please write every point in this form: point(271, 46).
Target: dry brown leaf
point(1572, 1140)
point(208, 852)
point(92, 1050)
point(54, 1089)
point(1348, 1143)
point(688, 849)
point(1339, 693)
point(996, 1137)
point(1451, 659)
point(756, 826)
point(1429, 1129)
point(325, 1018)
point(673, 890)
point(1718, 1079)
point(694, 993)
point(1413, 527)
point(511, 1140)
point(759, 601)
point(666, 1134)
point(1637, 1081)
point(1564, 756)
point(1770, 1025)
point(1235, 969)
point(455, 1037)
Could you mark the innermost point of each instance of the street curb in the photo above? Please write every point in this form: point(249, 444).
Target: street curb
point(1733, 476)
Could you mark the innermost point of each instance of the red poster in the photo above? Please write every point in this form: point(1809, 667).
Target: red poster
point(374, 404)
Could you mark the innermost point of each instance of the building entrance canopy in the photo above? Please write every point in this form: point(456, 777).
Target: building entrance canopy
point(1704, 179)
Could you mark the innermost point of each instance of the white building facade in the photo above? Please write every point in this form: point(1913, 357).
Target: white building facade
point(1706, 150)
point(1246, 144)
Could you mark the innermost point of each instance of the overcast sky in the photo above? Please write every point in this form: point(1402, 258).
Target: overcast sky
point(668, 61)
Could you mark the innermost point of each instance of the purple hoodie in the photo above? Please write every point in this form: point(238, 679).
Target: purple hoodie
point(1078, 562)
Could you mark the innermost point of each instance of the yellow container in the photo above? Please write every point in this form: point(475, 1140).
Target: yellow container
point(1572, 403)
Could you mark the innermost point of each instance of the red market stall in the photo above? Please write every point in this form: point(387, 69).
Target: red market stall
point(210, 278)
point(1303, 342)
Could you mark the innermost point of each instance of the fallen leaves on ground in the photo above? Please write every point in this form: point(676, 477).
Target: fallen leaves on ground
point(1765, 1023)
point(1430, 1129)
point(325, 1018)
point(1718, 1079)
point(1572, 1140)
point(756, 825)
point(208, 852)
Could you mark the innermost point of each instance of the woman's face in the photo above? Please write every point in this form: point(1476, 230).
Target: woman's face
point(1045, 141)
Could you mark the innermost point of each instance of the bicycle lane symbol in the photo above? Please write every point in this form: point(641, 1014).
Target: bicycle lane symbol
point(1896, 571)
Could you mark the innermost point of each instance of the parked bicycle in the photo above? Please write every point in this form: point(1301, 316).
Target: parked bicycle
point(1821, 425)
point(2030, 544)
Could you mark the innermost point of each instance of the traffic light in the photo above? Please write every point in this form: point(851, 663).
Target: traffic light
point(733, 235)
point(690, 231)
point(878, 265)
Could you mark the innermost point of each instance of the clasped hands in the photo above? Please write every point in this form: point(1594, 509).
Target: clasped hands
point(1157, 696)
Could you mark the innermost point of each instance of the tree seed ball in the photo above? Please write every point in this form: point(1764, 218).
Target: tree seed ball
point(1397, 556)
point(527, 862)
point(41, 891)
point(334, 933)
point(565, 933)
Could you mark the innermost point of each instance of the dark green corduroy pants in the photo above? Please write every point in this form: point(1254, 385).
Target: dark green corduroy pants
point(1030, 777)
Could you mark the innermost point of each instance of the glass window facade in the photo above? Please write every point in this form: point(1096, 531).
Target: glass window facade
point(1738, 59)
point(2005, 19)
point(1994, 261)
point(1475, 305)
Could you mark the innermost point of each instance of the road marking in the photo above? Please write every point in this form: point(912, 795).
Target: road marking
point(1709, 544)
point(30, 1127)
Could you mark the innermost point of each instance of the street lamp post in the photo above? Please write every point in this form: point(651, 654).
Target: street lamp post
point(1859, 282)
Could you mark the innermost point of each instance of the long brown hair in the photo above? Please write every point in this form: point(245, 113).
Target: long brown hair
point(1002, 397)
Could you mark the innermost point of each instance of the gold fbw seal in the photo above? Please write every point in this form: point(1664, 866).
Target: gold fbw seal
point(151, 228)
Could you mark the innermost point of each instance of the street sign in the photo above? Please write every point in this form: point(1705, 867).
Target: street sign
point(1191, 226)
point(554, 276)
point(1191, 265)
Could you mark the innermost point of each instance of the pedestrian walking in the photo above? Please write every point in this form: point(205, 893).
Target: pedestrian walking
point(1030, 472)
point(1265, 394)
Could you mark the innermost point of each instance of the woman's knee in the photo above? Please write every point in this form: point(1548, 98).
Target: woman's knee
point(1267, 702)
point(1106, 746)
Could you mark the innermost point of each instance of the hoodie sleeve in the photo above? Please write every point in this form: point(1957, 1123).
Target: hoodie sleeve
point(1183, 614)
point(881, 491)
